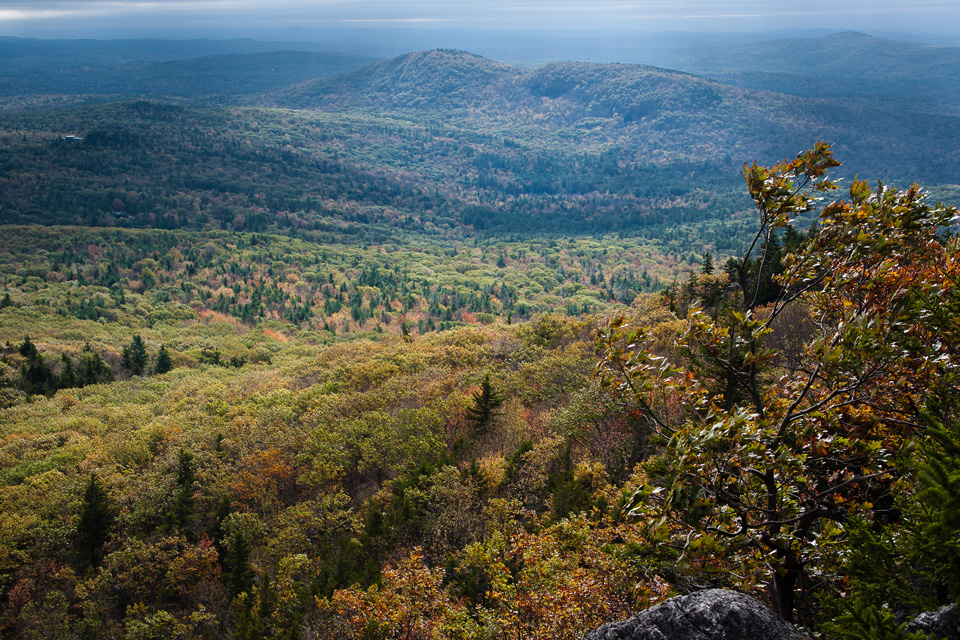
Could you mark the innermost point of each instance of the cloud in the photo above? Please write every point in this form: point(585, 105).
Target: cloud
point(716, 14)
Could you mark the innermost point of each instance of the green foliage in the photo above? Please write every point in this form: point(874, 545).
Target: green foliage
point(241, 575)
point(867, 623)
point(770, 458)
point(907, 558)
point(183, 501)
point(164, 362)
point(570, 495)
point(39, 377)
point(91, 368)
point(938, 471)
point(486, 401)
point(134, 356)
point(282, 283)
point(95, 523)
point(318, 479)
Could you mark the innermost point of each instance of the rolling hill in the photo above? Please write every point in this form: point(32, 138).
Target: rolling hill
point(643, 113)
point(447, 142)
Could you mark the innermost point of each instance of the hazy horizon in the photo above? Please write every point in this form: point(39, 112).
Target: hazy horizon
point(297, 19)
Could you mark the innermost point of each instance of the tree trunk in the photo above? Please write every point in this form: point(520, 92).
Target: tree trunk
point(782, 590)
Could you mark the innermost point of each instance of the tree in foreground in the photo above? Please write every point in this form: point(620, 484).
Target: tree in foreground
point(770, 457)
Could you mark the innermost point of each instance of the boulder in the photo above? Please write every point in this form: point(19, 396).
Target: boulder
point(713, 614)
point(944, 624)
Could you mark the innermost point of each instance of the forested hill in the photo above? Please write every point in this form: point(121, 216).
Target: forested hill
point(442, 142)
point(642, 112)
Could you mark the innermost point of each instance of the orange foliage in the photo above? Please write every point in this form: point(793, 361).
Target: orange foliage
point(263, 482)
point(410, 605)
point(275, 335)
point(215, 316)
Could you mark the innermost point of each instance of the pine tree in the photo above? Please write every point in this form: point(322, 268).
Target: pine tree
point(240, 575)
point(96, 522)
point(135, 356)
point(35, 376)
point(67, 378)
point(486, 401)
point(938, 470)
point(27, 349)
point(91, 368)
point(164, 363)
point(182, 508)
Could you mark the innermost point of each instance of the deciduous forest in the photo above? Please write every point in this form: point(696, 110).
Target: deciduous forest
point(404, 353)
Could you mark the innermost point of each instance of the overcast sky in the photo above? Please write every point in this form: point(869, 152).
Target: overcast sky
point(932, 16)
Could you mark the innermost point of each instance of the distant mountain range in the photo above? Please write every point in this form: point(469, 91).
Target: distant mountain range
point(644, 113)
point(445, 139)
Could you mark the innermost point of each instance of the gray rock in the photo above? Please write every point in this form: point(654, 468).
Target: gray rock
point(944, 624)
point(714, 614)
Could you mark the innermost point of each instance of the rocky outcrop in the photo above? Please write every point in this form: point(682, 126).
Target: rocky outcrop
point(714, 614)
point(944, 624)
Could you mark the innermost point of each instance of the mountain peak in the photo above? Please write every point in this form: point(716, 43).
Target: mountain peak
point(445, 78)
point(849, 36)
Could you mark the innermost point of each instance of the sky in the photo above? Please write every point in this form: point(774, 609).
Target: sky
point(922, 16)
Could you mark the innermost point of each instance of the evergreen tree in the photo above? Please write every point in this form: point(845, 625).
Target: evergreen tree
point(240, 575)
point(67, 378)
point(486, 401)
point(91, 368)
point(135, 356)
point(96, 522)
point(164, 363)
point(183, 501)
point(35, 376)
point(938, 470)
point(708, 263)
point(27, 349)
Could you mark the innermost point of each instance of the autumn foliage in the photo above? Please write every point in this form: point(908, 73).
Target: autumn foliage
point(315, 460)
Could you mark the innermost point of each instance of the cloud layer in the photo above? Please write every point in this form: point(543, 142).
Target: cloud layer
point(935, 15)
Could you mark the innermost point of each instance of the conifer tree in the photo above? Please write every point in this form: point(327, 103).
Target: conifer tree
point(938, 470)
point(96, 522)
point(135, 355)
point(164, 363)
point(486, 401)
point(27, 349)
point(182, 507)
point(240, 575)
point(91, 368)
point(67, 378)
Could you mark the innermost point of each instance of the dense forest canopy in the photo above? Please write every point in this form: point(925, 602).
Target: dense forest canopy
point(443, 347)
point(237, 475)
point(444, 140)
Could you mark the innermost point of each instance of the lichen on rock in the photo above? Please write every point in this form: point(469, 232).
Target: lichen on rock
point(713, 614)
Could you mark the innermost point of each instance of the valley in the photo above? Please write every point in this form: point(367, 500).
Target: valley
point(301, 344)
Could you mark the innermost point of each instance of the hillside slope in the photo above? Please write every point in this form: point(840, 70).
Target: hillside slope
point(644, 113)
